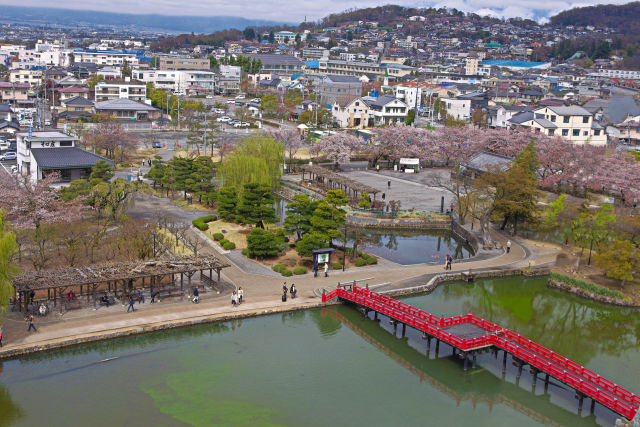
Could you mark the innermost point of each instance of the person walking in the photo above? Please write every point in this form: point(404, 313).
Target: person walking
point(196, 295)
point(149, 162)
point(389, 184)
point(234, 300)
point(508, 246)
point(0, 336)
point(31, 325)
point(132, 301)
point(378, 167)
point(293, 291)
point(326, 269)
point(447, 265)
point(142, 163)
point(284, 296)
point(240, 295)
point(284, 287)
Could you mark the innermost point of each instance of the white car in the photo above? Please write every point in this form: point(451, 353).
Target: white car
point(10, 155)
point(209, 96)
point(240, 96)
point(256, 100)
point(231, 101)
point(223, 119)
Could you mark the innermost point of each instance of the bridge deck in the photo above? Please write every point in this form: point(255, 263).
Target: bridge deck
point(469, 332)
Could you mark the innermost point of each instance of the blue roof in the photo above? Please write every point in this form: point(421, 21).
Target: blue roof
point(510, 63)
point(312, 64)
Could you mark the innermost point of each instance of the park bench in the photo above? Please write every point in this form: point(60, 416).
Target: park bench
point(73, 304)
point(112, 300)
point(166, 293)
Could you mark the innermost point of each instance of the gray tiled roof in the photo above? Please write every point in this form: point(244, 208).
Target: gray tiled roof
point(343, 79)
point(483, 160)
point(65, 157)
point(78, 101)
point(271, 59)
point(522, 117)
point(571, 110)
point(124, 104)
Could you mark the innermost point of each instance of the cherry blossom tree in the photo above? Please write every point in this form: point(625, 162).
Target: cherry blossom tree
point(291, 140)
point(34, 208)
point(338, 147)
point(111, 137)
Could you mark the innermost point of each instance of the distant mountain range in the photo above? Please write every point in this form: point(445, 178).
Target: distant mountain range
point(176, 24)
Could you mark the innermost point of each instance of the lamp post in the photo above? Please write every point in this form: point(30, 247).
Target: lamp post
point(344, 252)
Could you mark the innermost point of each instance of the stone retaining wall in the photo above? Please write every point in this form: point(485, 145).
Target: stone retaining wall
point(396, 223)
point(589, 295)
point(462, 276)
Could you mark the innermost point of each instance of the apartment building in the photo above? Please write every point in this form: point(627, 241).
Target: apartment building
point(33, 76)
point(355, 68)
point(315, 53)
point(107, 57)
point(173, 63)
point(177, 81)
point(277, 64)
point(14, 92)
point(620, 74)
point(330, 88)
point(115, 89)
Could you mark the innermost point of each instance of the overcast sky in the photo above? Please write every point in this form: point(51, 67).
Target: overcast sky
point(295, 11)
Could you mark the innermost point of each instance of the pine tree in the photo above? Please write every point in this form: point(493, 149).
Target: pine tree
point(256, 205)
point(227, 203)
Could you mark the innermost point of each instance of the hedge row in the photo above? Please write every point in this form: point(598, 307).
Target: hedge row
point(587, 286)
point(201, 223)
point(227, 245)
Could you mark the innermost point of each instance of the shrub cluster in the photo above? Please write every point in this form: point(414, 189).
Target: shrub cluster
point(218, 236)
point(286, 273)
point(587, 286)
point(279, 267)
point(337, 266)
point(227, 245)
point(201, 223)
point(299, 270)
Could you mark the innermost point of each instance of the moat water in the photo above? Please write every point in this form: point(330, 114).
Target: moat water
point(329, 366)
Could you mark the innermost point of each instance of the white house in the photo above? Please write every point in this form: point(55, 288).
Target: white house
point(459, 109)
point(114, 89)
point(386, 109)
point(351, 111)
point(573, 123)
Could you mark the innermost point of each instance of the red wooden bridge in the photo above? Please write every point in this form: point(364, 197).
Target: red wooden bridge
point(470, 334)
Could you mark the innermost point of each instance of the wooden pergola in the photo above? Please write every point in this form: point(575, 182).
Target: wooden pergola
point(334, 180)
point(113, 276)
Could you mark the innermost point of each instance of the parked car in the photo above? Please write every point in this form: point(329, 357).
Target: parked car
point(241, 96)
point(256, 100)
point(4, 145)
point(223, 119)
point(10, 155)
point(209, 96)
point(156, 144)
point(231, 101)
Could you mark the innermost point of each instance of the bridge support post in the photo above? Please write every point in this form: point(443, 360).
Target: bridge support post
point(375, 315)
point(473, 362)
point(593, 406)
point(404, 329)
point(504, 362)
point(534, 371)
point(428, 346)
point(519, 370)
point(580, 402)
point(546, 383)
point(453, 352)
point(437, 347)
point(466, 362)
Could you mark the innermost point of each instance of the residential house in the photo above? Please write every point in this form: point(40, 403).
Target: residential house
point(74, 109)
point(107, 57)
point(6, 113)
point(351, 111)
point(41, 153)
point(573, 123)
point(33, 76)
point(127, 109)
point(459, 109)
point(72, 92)
point(386, 109)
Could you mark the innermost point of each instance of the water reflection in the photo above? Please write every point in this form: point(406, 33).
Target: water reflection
point(10, 411)
point(411, 247)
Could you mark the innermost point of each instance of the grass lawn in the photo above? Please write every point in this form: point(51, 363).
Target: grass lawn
point(235, 233)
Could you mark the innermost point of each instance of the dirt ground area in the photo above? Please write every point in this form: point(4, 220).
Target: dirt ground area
point(566, 264)
point(235, 233)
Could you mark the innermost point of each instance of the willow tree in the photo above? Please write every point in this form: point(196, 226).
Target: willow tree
point(257, 160)
point(8, 249)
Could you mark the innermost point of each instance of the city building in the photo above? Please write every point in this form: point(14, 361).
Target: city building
point(107, 57)
point(332, 87)
point(173, 63)
point(276, 64)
